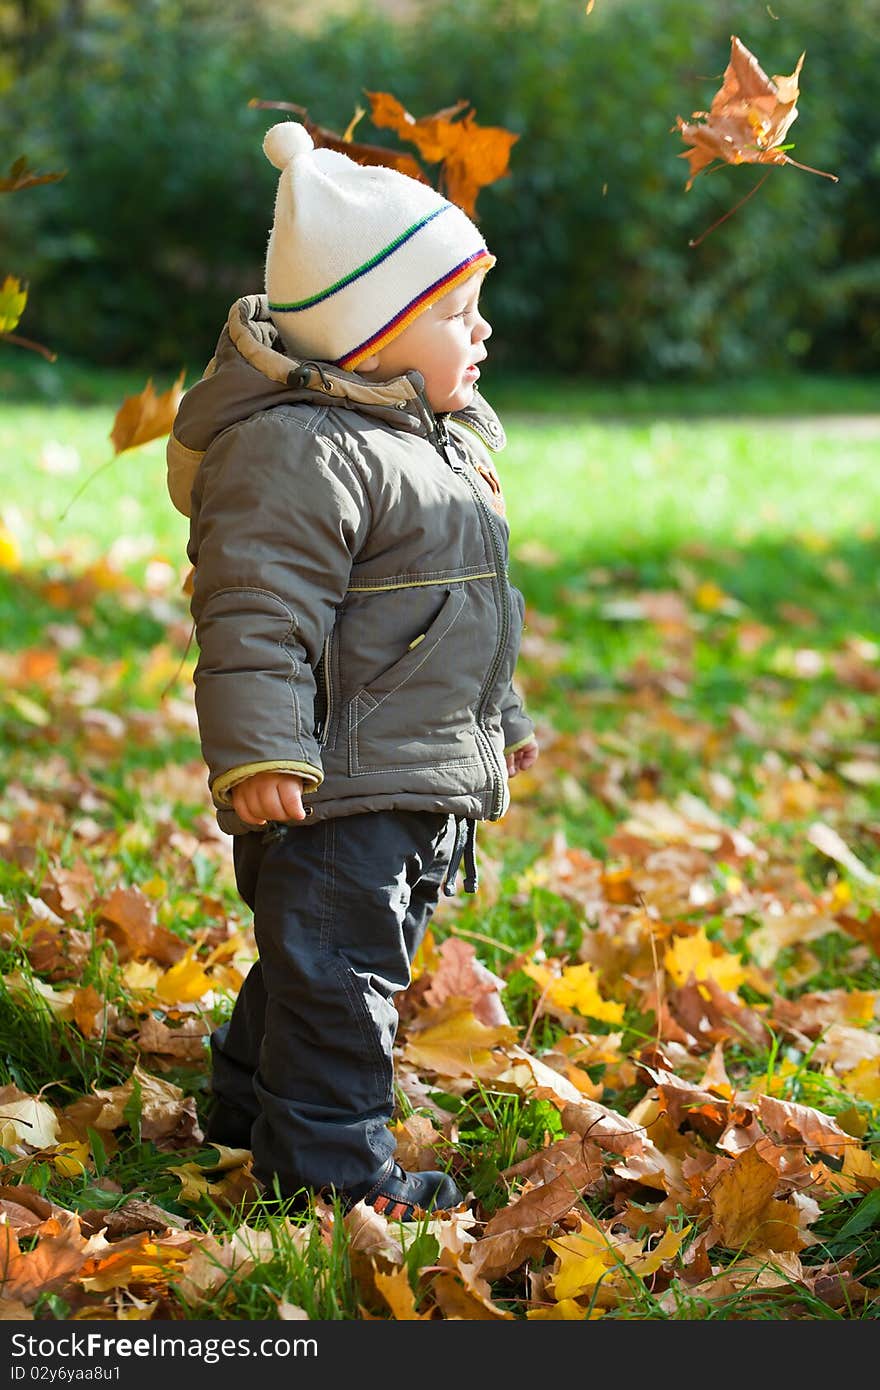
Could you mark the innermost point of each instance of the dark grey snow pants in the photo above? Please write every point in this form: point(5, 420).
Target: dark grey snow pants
point(340, 907)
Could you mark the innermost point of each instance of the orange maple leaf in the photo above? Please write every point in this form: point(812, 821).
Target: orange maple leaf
point(145, 416)
point(470, 155)
point(748, 120)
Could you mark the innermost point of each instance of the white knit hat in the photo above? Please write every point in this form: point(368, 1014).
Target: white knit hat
point(357, 251)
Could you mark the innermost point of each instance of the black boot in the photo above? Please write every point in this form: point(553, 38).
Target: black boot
point(402, 1196)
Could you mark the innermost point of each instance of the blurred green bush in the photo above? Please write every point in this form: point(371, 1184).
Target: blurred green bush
point(163, 217)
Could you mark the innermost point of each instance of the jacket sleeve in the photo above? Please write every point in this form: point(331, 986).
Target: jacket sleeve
point(278, 515)
point(516, 724)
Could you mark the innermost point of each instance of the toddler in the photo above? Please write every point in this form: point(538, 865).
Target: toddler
point(357, 640)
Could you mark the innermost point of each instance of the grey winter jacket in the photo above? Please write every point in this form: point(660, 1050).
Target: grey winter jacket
point(353, 614)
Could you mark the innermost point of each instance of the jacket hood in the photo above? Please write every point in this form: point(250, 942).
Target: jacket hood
point(251, 371)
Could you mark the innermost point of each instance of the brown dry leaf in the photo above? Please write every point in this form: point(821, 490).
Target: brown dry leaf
point(532, 1078)
point(68, 892)
point(419, 1144)
point(131, 1218)
point(463, 1292)
point(324, 138)
point(745, 1210)
point(688, 1104)
point(89, 1013)
point(867, 930)
point(55, 1259)
point(460, 975)
point(214, 1262)
point(184, 1043)
point(20, 176)
point(518, 1232)
point(843, 1048)
point(145, 416)
point(471, 155)
point(370, 1233)
point(165, 1112)
point(789, 1121)
point(709, 1014)
point(813, 1013)
point(25, 1210)
point(749, 117)
point(129, 918)
point(605, 1127)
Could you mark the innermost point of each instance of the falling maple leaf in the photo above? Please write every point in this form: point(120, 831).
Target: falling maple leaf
point(470, 155)
point(20, 176)
point(146, 416)
point(749, 118)
point(13, 299)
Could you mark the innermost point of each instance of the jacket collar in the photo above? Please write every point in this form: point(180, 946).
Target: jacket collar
point(400, 401)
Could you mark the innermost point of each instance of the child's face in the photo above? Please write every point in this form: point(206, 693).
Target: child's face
point(445, 343)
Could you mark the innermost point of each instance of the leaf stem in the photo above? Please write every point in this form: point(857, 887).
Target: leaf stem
point(808, 169)
point(730, 211)
point(82, 487)
point(49, 355)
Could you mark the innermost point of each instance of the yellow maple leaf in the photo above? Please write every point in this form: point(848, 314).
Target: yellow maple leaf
point(12, 301)
point(70, 1159)
point(184, 982)
point(666, 1249)
point(703, 959)
point(458, 1044)
point(864, 1080)
point(397, 1293)
point(575, 987)
point(566, 1310)
point(141, 976)
point(585, 1257)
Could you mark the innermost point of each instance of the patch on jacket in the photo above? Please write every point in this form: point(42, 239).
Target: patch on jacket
point(493, 483)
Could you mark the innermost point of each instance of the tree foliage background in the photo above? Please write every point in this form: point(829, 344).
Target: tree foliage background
point(163, 216)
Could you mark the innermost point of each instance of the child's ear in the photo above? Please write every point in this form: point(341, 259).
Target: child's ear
point(369, 364)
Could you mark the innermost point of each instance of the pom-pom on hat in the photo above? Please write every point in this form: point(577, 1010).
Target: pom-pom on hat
point(356, 251)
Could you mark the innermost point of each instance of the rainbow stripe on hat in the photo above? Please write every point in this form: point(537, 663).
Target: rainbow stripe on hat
point(394, 327)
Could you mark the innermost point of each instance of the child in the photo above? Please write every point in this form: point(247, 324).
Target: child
point(357, 637)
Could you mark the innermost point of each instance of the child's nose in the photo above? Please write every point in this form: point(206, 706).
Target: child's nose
point(482, 330)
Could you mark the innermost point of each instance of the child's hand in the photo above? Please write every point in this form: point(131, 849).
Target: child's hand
point(269, 796)
point(523, 757)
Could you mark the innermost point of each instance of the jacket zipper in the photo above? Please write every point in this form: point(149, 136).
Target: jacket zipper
point(324, 668)
point(441, 442)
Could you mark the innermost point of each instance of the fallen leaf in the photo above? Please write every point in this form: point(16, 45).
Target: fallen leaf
point(745, 1210)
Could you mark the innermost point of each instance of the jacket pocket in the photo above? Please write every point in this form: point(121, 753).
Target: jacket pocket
point(393, 721)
